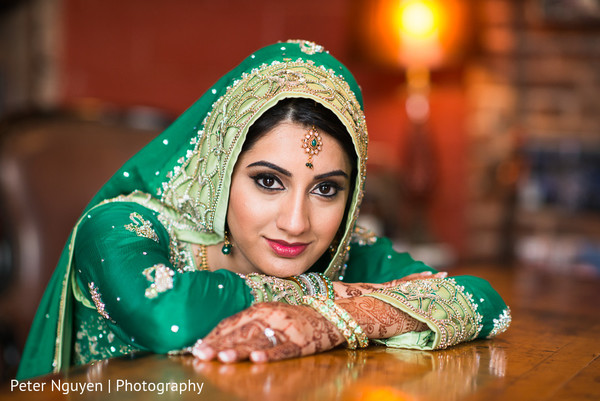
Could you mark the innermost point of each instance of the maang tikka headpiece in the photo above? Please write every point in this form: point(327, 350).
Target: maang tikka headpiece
point(312, 144)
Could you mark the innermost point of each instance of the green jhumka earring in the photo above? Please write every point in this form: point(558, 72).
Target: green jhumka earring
point(227, 247)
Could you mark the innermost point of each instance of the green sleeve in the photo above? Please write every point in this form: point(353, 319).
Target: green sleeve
point(373, 260)
point(455, 309)
point(123, 269)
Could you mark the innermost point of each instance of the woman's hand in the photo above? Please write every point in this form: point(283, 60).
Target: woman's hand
point(349, 290)
point(269, 331)
point(379, 319)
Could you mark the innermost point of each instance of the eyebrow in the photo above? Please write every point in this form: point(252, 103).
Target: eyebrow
point(334, 173)
point(289, 174)
point(271, 166)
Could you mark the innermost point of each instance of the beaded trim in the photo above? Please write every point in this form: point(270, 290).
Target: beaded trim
point(161, 281)
point(289, 290)
point(269, 288)
point(441, 302)
point(501, 323)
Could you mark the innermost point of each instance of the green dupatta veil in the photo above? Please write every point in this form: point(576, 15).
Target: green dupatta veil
point(185, 172)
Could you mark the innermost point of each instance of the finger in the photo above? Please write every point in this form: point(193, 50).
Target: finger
point(264, 340)
point(209, 348)
point(203, 351)
point(218, 341)
point(239, 353)
point(277, 353)
point(238, 345)
point(421, 275)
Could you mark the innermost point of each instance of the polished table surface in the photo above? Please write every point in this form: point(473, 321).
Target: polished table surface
point(551, 352)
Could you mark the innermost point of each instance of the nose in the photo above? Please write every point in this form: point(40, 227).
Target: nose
point(293, 216)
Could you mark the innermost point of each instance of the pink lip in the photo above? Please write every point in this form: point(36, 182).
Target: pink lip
point(285, 249)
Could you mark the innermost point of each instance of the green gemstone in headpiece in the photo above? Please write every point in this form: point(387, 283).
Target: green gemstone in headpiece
point(312, 144)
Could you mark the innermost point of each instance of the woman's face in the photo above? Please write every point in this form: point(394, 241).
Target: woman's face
point(282, 215)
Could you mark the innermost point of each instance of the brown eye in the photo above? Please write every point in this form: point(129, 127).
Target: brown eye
point(327, 189)
point(268, 182)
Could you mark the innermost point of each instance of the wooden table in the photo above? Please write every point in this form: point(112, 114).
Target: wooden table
point(549, 353)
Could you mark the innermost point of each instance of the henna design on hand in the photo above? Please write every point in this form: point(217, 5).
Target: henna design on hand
point(350, 290)
point(379, 319)
point(298, 330)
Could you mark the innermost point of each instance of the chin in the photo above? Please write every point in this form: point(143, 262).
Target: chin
point(286, 269)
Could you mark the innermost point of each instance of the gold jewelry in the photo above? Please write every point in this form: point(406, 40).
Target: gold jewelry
point(312, 145)
point(227, 247)
point(203, 258)
point(345, 323)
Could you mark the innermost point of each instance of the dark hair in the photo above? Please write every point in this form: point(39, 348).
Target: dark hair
point(308, 113)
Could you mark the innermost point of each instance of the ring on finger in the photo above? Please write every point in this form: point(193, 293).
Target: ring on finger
point(270, 334)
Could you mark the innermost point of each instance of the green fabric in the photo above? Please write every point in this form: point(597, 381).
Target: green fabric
point(184, 175)
point(421, 340)
point(456, 309)
point(174, 318)
point(127, 279)
point(381, 263)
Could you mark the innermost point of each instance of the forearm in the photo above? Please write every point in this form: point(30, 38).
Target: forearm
point(127, 275)
point(379, 319)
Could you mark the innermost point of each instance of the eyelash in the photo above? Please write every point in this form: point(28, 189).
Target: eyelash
point(262, 176)
point(258, 178)
point(337, 188)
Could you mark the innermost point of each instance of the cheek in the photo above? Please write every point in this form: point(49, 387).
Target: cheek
point(244, 210)
point(329, 220)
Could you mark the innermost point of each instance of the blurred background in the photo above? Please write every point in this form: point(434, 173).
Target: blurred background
point(484, 119)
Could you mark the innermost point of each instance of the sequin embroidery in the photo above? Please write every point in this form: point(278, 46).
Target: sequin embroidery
point(94, 340)
point(308, 47)
point(439, 301)
point(501, 323)
point(162, 280)
point(363, 236)
point(100, 307)
point(180, 252)
point(143, 228)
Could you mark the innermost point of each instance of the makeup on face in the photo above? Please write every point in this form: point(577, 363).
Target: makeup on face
point(282, 216)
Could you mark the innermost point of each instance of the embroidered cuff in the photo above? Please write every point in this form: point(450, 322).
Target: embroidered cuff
point(289, 290)
point(269, 288)
point(442, 304)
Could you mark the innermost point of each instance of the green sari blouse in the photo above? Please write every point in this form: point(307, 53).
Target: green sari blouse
point(127, 279)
